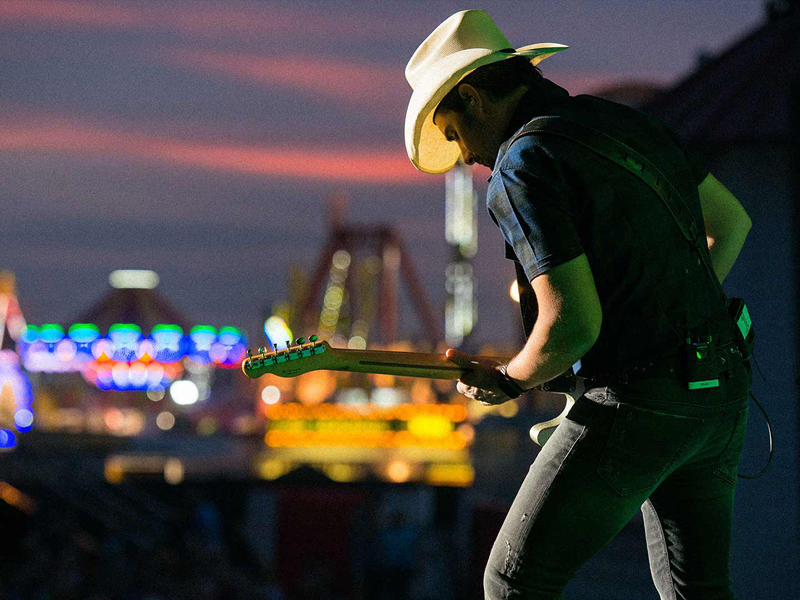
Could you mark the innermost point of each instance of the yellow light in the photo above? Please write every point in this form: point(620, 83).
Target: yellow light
point(509, 409)
point(514, 291)
point(357, 343)
point(453, 475)
point(114, 471)
point(341, 472)
point(173, 471)
point(272, 469)
point(398, 471)
point(430, 426)
point(468, 431)
point(341, 259)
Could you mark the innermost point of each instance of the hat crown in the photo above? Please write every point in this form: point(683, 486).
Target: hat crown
point(465, 30)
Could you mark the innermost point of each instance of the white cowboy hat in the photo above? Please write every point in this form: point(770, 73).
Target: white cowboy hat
point(465, 41)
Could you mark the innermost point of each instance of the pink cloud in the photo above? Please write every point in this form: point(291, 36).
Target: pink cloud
point(371, 86)
point(367, 165)
point(208, 18)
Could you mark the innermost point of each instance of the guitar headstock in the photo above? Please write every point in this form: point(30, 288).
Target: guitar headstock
point(295, 360)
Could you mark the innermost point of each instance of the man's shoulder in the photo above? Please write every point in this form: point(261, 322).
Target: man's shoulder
point(625, 122)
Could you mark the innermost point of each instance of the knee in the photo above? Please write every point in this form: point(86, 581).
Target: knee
point(492, 583)
point(495, 585)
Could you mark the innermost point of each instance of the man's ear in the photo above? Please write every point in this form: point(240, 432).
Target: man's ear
point(470, 95)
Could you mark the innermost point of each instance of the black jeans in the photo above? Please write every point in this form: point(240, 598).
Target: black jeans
point(652, 445)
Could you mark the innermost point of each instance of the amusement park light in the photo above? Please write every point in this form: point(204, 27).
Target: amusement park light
point(184, 392)
point(277, 332)
point(133, 279)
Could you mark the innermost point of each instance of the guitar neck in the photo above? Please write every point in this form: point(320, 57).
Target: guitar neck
point(408, 364)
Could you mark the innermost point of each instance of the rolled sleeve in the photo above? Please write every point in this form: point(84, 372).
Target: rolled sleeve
point(534, 216)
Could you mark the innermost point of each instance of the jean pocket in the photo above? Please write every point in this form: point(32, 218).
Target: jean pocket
point(642, 447)
point(728, 463)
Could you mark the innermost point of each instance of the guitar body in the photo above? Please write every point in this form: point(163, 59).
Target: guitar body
point(314, 356)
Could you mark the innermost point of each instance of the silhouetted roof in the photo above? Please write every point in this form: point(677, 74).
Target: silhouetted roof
point(742, 95)
point(630, 93)
point(143, 307)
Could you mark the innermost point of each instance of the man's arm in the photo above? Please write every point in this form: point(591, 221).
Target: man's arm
point(567, 325)
point(726, 222)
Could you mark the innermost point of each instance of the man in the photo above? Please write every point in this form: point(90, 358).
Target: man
point(620, 290)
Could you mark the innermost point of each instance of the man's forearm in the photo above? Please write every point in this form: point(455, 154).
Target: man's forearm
point(547, 354)
point(725, 250)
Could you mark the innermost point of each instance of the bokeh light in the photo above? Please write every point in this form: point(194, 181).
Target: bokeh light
point(277, 332)
point(165, 420)
point(7, 439)
point(184, 392)
point(270, 394)
point(201, 338)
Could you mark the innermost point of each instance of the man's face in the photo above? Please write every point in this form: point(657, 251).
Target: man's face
point(474, 130)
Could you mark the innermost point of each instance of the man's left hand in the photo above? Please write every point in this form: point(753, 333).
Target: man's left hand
point(480, 383)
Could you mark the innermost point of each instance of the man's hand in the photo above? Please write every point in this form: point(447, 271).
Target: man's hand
point(480, 383)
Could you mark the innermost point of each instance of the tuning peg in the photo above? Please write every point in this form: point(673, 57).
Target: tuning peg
point(262, 350)
point(300, 341)
point(313, 339)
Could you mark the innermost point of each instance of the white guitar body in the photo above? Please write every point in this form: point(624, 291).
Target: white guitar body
point(541, 432)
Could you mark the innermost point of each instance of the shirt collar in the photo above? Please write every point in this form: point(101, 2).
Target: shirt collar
point(536, 101)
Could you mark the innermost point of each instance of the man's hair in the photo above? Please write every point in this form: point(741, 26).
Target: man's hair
point(497, 79)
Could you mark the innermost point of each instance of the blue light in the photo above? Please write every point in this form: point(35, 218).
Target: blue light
point(125, 337)
point(171, 345)
point(50, 333)
point(30, 335)
point(201, 337)
point(7, 439)
point(23, 420)
point(84, 333)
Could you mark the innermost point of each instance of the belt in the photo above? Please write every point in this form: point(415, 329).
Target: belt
point(728, 355)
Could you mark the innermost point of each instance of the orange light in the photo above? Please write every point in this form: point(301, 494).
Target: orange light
point(113, 419)
point(398, 471)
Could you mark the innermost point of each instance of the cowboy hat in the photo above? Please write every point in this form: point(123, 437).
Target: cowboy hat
point(465, 41)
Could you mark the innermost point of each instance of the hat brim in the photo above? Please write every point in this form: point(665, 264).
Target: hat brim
point(428, 149)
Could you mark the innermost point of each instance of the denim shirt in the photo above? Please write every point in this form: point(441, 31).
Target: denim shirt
point(554, 200)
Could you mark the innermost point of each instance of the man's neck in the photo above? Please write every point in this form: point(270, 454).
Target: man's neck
point(510, 108)
point(531, 101)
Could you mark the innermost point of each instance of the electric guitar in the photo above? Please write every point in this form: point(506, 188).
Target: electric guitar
point(316, 355)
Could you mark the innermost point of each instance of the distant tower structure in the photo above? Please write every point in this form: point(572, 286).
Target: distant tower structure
point(360, 269)
point(461, 230)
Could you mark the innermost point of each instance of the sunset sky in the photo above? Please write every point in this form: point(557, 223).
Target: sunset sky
point(201, 139)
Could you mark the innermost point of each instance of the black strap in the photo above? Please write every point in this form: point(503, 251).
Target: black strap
point(626, 157)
